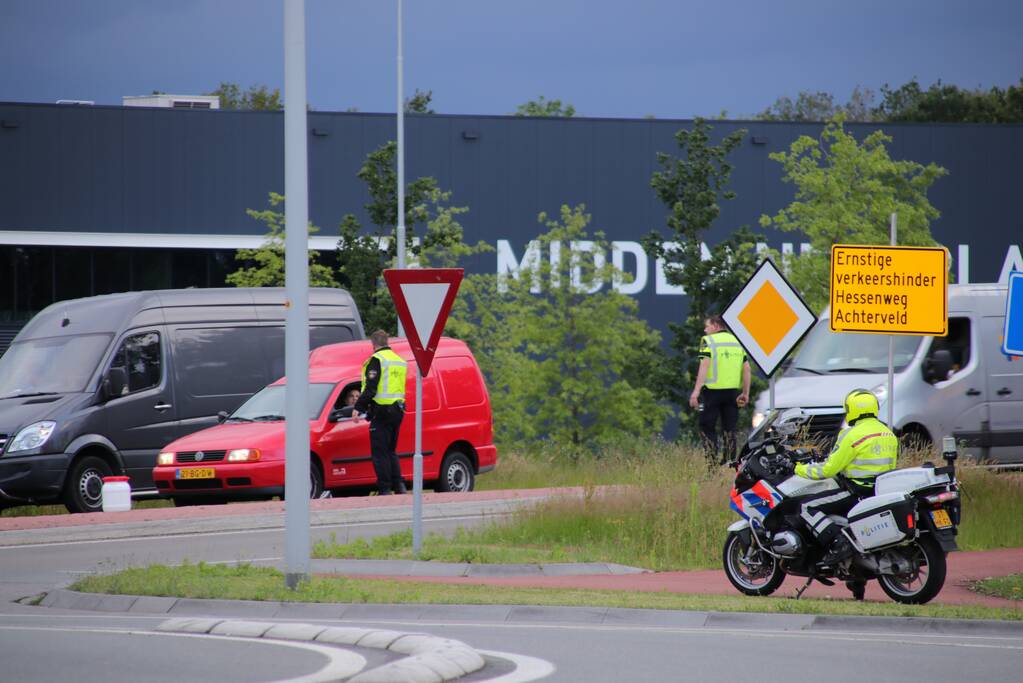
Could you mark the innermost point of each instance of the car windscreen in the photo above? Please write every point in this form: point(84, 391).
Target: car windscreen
point(54, 365)
point(268, 405)
point(827, 352)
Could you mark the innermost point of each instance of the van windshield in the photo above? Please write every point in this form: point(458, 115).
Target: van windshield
point(55, 365)
point(827, 352)
point(268, 404)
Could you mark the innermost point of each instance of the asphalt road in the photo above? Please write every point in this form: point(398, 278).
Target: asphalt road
point(42, 644)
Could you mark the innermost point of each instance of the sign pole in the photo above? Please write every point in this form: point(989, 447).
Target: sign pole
point(417, 472)
point(771, 406)
point(296, 277)
point(891, 345)
point(400, 227)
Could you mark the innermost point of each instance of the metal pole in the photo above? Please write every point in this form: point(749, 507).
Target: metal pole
point(891, 345)
point(770, 408)
point(400, 233)
point(417, 471)
point(296, 269)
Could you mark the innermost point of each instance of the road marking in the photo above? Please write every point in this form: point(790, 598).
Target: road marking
point(937, 638)
point(526, 668)
point(340, 663)
point(239, 532)
point(909, 638)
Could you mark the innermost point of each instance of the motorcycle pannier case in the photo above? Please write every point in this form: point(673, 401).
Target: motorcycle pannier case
point(882, 520)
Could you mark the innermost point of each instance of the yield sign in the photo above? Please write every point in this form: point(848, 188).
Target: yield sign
point(423, 298)
point(768, 317)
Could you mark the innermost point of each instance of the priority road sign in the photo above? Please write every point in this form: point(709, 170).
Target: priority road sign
point(889, 290)
point(768, 317)
point(1012, 337)
point(423, 298)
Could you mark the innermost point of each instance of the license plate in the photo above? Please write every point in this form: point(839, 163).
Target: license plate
point(196, 473)
point(941, 519)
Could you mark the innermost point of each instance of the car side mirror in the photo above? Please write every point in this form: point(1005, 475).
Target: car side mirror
point(937, 367)
point(222, 416)
point(114, 382)
point(340, 413)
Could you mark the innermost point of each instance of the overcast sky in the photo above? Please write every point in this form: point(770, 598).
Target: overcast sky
point(667, 58)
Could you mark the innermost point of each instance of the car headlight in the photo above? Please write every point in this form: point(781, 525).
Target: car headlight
point(758, 419)
point(32, 436)
point(881, 392)
point(243, 455)
point(165, 458)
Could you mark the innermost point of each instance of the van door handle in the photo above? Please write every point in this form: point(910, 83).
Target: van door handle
point(162, 406)
point(973, 392)
point(1004, 391)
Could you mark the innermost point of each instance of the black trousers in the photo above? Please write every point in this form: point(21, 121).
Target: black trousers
point(816, 510)
point(719, 403)
point(383, 440)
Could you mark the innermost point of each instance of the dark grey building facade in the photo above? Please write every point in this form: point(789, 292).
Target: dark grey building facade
point(104, 199)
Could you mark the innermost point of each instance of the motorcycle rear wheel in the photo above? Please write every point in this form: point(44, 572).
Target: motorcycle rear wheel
point(759, 574)
point(923, 583)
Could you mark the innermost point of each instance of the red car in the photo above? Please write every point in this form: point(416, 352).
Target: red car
point(243, 457)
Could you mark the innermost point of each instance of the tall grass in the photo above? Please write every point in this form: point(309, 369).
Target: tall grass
point(670, 508)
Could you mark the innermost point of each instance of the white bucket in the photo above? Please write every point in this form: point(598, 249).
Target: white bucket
point(116, 494)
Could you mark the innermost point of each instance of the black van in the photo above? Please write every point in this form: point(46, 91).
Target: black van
point(97, 386)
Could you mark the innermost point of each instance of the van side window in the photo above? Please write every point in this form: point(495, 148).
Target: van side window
point(956, 342)
point(141, 358)
point(219, 361)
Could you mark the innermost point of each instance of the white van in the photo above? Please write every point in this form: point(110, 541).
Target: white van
point(959, 385)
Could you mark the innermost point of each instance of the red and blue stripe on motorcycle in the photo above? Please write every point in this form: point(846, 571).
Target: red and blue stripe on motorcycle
point(757, 501)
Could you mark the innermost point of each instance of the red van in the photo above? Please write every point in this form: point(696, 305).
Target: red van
point(243, 457)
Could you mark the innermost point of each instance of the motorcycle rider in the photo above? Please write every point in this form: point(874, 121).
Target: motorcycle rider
point(864, 450)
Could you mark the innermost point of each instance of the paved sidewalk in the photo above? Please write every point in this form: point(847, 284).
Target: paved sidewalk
point(963, 568)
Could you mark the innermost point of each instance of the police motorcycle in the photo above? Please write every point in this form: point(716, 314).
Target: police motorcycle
point(901, 534)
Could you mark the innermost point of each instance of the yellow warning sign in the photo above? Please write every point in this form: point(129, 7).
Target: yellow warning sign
point(889, 290)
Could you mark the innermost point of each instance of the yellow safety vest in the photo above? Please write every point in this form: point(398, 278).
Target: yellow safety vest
point(726, 359)
point(862, 452)
point(393, 370)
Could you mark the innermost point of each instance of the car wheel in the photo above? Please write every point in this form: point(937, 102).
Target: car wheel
point(83, 490)
point(456, 474)
point(315, 481)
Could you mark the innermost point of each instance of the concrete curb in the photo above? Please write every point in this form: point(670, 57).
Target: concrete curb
point(466, 569)
point(428, 659)
point(610, 616)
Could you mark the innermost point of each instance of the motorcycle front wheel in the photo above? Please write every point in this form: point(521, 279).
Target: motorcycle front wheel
point(750, 570)
point(924, 580)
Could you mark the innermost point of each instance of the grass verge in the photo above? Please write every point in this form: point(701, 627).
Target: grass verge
point(1008, 587)
point(246, 582)
point(668, 510)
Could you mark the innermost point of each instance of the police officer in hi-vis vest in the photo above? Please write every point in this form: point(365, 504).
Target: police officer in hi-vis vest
point(723, 370)
point(383, 401)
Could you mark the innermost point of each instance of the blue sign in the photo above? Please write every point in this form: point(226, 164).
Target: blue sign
point(1012, 338)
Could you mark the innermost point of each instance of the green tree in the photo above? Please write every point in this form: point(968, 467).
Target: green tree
point(947, 103)
point(362, 256)
point(419, 103)
point(690, 186)
point(256, 97)
point(545, 107)
point(846, 192)
point(267, 261)
point(565, 363)
point(821, 106)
